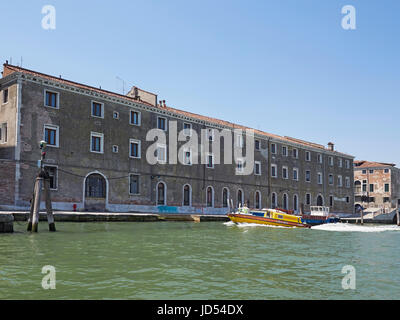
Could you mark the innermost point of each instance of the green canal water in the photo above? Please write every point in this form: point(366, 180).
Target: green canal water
point(208, 260)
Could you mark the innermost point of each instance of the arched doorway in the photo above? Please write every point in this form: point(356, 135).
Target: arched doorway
point(161, 194)
point(257, 200)
point(285, 201)
point(210, 197)
point(95, 192)
point(187, 195)
point(225, 198)
point(320, 200)
point(274, 203)
point(240, 198)
point(295, 203)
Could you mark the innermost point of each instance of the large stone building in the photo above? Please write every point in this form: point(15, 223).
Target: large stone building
point(376, 185)
point(96, 155)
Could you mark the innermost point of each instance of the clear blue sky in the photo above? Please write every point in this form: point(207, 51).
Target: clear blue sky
point(285, 67)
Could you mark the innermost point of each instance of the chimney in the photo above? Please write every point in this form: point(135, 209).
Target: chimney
point(164, 103)
point(331, 146)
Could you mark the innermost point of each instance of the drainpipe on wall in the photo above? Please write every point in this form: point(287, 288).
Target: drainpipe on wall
point(17, 155)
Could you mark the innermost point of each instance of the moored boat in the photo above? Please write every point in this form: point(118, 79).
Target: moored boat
point(271, 217)
point(319, 215)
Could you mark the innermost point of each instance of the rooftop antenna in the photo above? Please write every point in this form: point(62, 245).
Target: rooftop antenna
point(123, 84)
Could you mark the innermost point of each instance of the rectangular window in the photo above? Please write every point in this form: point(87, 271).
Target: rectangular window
point(308, 156)
point(319, 158)
point(52, 171)
point(285, 173)
point(330, 179)
point(319, 177)
point(5, 95)
point(187, 129)
point(134, 118)
point(161, 153)
point(97, 109)
point(371, 188)
point(386, 187)
point(134, 184)
point(187, 157)
point(162, 123)
point(295, 174)
point(257, 168)
point(284, 151)
point(364, 171)
point(274, 170)
point(273, 148)
point(340, 162)
point(347, 182)
point(308, 176)
point(331, 161)
point(331, 201)
point(386, 170)
point(115, 149)
point(257, 144)
point(386, 199)
point(371, 171)
point(96, 142)
point(51, 99)
point(3, 133)
point(340, 181)
point(239, 166)
point(347, 164)
point(295, 153)
point(364, 186)
point(115, 115)
point(134, 150)
point(51, 135)
point(210, 161)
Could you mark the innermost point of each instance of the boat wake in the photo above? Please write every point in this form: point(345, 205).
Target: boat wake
point(249, 225)
point(347, 227)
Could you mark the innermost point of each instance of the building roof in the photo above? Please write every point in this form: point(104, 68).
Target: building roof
point(371, 164)
point(9, 69)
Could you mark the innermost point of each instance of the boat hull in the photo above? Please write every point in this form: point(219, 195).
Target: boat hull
point(244, 218)
point(317, 220)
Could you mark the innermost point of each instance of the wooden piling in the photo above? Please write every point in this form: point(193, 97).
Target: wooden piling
point(49, 209)
point(36, 205)
point(31, 210)
point(397, 213)
point(362, 216)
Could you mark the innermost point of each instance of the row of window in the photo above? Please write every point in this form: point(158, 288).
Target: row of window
point(97, 110)
point(363, 187)
point(295, 176)
point(371, 171)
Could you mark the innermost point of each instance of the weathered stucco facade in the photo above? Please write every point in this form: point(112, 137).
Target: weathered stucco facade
point(377, 185)
point(97, 155)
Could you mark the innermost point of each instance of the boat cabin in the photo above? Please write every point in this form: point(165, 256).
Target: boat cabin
point(319, 211)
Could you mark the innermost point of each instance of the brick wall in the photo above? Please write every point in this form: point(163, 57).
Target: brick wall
point(7, 182)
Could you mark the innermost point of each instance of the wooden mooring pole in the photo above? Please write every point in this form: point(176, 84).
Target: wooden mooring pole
point(42, 180)
point(397, 213)
point(362, 216)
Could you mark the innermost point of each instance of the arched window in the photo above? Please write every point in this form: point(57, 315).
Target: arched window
point(320, 200)
point(295, 203)
point(273, 200)
point(357, 186)
point(187, 195)
point(225, 197)
point(210, 197)
point(257, 200)
point(161, 194)
point(285, 201)
point(240, 198)
point(95, 186)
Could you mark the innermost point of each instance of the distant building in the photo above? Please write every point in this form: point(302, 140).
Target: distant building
point(376, 185)
point(97, 145)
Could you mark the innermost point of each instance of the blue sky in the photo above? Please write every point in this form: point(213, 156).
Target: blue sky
point(285, 67)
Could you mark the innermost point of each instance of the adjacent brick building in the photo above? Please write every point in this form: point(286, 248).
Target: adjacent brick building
point(97, 147)
point(376, 185)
